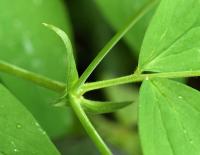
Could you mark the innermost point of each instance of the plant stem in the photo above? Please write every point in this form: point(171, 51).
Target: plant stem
point(136, 78)
point(113, 42)
point(33, 77)
point(60, 87)
point(75, 104)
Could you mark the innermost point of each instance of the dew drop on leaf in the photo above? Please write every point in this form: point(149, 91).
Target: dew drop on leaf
point(19, 126)
point(180, 97)
point(43, 132)
point(191, 141)
point(16, 150)
point(37, 124)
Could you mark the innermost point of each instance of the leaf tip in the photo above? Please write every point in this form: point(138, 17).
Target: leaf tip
point(52, 27)
point(59, 104)
point(45, 24)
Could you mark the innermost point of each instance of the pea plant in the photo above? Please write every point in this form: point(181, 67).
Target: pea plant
point(168, 109)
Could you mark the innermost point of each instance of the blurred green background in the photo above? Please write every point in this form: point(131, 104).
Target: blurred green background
point(90, 24)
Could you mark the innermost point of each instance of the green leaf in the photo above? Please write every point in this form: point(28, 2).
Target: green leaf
point(117, 12)
point(19, 131)
point(72, 74)
point(169, 115)
point(26, 43)
point(99, 107)
point(172, 39)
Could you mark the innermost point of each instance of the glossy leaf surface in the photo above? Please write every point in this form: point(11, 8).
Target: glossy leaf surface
point(172, 39)
point(169, 118)
point(20, 133)
point(25, 42)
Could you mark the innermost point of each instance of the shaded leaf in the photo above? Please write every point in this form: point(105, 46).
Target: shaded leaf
point(172, 39)
point(19, 131)
point(26, 43)
point(169, 115)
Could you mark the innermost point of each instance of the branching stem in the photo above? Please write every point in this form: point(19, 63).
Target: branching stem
point(60, 87)
point(81, 87)
point(75, 103)
point(113, 42)
point(136, 78)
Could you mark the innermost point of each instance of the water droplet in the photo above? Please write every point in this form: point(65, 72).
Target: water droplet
point(19, 126)
point(180, 97)
point(146, 78)
point(39, 128)
point(191, 142)
point(16, 150)
point(43, 132)
point(37, 124)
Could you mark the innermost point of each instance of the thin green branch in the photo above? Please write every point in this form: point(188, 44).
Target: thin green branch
point(33, 77)
point(60, 87)
point(75, 104)
point(113, 42)
point(136, 78)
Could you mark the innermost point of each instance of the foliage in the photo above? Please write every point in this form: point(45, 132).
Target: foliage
point(20, 132)
point(26, 43)
point(168, 110)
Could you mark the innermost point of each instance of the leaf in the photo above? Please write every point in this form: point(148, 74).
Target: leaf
point(72, 74)
point(99, 107)
point(172, 39)
point(19, 131)
point(26, 43)
point(169, 115)
point(117, 13)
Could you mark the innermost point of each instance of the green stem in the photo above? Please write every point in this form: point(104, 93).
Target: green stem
point(33, 77)
point(75, 104)
point(60, 87)
point(113, 42)
point(136, 78)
